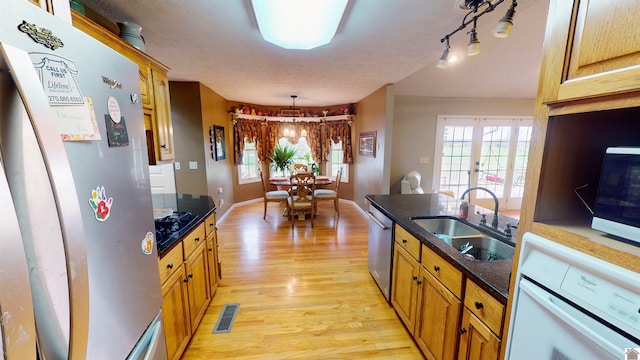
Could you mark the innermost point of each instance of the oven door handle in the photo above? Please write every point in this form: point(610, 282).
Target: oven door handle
point(544, 299)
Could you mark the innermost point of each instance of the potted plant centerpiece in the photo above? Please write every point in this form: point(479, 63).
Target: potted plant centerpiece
point(282, 157)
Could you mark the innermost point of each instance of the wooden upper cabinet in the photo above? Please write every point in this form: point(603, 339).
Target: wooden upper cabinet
point(602, 48)
point(154, 90)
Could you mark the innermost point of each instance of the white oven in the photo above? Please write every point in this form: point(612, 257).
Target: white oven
point(569, 305)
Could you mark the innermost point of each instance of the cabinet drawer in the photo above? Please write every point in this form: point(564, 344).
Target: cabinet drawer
point(489, 310)
point(193, 239)
point(170, 263)
point(443, 271)
point(408, 242)
point(210, 224)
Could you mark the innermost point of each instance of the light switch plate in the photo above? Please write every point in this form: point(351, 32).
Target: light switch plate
point(425, 160)
point(193, 165)
point(176, 165)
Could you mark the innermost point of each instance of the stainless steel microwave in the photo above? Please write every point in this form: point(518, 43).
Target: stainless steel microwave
point(617, 208)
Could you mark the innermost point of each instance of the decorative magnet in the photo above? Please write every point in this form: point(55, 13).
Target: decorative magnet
point(114, 109)
point(100, 204)
point(147, 243)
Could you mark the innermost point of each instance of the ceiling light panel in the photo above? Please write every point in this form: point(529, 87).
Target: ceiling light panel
point(298, 24)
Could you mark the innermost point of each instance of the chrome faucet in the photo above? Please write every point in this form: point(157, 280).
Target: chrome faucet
point(494, 222)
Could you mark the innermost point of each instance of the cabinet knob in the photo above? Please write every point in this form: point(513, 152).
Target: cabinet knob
point(210, 249)
point(197, 239)
point(186, 280)
point(478, 305)
point(164, 146)
point(419, 282)
point(404, 241)
point(415, 277)
point(190, 276)
point(436, 268)
point(170, 266)
point(463, 330)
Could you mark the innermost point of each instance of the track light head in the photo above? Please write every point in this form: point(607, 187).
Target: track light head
point(503, 28)
point(474, 45)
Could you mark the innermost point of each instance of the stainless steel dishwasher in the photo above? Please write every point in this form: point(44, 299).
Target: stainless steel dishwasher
point(380, 249)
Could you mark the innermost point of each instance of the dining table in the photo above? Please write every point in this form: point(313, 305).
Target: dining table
point(284, 183)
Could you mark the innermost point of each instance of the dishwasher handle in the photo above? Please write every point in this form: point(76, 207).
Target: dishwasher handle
point(378, 222)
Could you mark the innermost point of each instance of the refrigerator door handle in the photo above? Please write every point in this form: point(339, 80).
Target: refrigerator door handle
point(149, 341)
point(18, 331)
point(43, 123)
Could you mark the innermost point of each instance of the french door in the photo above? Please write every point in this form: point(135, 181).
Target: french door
point(486, 152)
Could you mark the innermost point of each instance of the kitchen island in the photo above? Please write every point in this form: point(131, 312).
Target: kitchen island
point(452, 304)
point(492, 276)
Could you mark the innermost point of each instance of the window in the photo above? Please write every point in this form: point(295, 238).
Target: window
point(335, 163)
point(248, 170)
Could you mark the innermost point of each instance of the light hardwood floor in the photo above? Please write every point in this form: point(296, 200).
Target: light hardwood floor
point(304, 293)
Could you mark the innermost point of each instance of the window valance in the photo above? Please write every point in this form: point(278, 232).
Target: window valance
point(319, 133)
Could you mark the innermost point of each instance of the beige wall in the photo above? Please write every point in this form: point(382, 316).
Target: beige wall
point(187, 132)
point(194, 110)
point(414, 128)
point(374, 113)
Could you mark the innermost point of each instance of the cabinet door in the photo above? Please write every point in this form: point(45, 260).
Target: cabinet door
point(196, 269)
point(603, 50)
point(175, 313)
point(404, 286)
point(477, 342)
point(212, 263)
point(162, 107)
point(437, 319)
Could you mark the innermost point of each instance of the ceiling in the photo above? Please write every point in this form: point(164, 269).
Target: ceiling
point(217, 43)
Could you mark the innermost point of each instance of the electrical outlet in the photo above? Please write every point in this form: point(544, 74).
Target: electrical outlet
point(193, 165)
point(219, 190)
point(221, 202)
point(176, 165)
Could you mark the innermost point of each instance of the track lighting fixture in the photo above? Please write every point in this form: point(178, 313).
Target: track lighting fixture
point(477, 8)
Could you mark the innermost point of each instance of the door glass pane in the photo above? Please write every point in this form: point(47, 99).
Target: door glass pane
point(521, 157)
point(456, 158)
point(494, 158)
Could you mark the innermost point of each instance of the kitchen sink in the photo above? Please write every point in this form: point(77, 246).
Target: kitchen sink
point(483, 248)
point(448, 226)
point(470, 241)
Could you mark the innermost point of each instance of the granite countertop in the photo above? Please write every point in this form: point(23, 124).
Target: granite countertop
point(492, 276)
point(185, 212)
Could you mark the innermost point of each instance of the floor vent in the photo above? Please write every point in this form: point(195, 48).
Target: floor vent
point(225, 321)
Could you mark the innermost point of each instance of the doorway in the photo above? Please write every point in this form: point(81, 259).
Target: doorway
point(489, 152)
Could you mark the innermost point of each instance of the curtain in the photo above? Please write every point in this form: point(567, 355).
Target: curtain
point(250, 131)
point(319, 135)
point(334, 132)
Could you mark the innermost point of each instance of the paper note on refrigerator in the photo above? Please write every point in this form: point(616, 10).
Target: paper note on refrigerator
point(77, 123)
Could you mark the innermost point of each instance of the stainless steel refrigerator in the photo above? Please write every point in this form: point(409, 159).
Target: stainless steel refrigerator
point(78, 261)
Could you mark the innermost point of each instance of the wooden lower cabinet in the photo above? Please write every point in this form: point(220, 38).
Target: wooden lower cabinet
point(438, 315)
point(189, 275)
point(196, 268)
point(175, 313)
point(477, 342)
point(404, 287)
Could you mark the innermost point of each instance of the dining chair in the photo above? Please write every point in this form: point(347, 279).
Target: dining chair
point(271, 196)
point(301, 196)
point(329, 194)
point(300, 168)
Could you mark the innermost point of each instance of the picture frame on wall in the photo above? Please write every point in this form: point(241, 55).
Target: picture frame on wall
point(367, 143)
point(220, 148)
